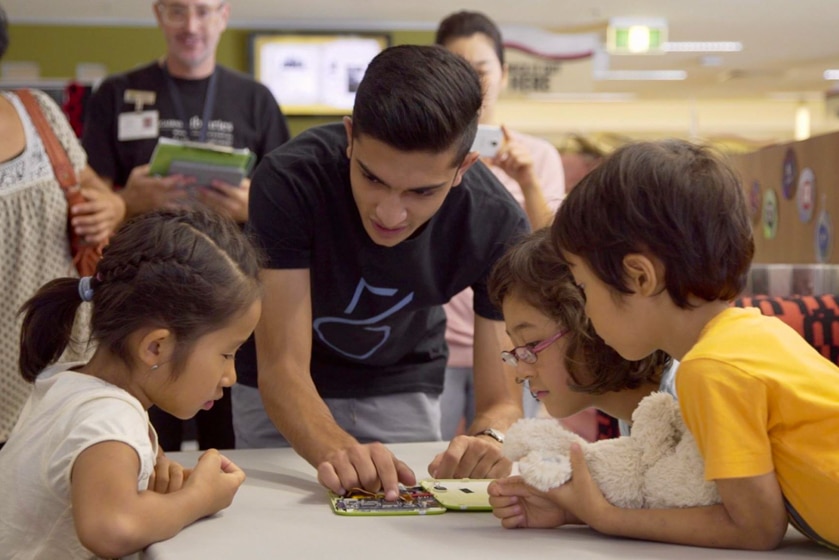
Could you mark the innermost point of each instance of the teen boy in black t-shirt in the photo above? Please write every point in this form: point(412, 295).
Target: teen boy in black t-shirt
point(369, 228)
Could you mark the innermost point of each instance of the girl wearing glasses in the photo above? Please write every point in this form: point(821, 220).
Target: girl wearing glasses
point(564, 363)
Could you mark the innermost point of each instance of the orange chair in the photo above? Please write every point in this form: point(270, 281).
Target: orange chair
point(816, 318)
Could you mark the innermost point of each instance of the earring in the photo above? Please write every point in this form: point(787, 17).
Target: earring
point(155, 366)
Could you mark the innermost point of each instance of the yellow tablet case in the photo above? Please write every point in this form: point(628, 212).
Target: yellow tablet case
point(460, 494)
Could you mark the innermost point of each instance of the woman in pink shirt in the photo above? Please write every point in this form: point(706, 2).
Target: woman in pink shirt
point(531, 169)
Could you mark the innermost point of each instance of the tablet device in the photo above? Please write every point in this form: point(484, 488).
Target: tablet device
point(461, 494)
point(413, 500)
point(205, 162)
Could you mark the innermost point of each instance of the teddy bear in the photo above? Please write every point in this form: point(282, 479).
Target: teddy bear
point(657, 466)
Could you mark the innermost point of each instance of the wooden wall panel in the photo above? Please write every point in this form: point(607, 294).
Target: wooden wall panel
point(795, 240)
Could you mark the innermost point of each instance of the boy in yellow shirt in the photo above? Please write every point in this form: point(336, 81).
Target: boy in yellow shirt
point(659, 240)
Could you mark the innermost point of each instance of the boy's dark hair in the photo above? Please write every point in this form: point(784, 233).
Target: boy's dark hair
point(188, 271)
point(465, 24)
point(672, 200)
point(532, 271)
point(419, 98)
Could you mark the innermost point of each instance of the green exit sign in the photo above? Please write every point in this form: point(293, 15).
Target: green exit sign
point(636, 36)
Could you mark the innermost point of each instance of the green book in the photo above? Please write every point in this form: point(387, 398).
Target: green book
point(204, 162)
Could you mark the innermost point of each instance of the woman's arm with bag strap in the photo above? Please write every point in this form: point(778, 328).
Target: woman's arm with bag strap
point(85, 255)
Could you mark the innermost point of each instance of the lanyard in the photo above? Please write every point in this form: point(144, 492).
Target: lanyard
point(209, 102)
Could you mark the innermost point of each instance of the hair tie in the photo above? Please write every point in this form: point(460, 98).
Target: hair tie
point(85, 289)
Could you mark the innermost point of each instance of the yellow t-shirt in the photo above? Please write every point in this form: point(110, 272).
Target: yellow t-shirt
point(757, 397)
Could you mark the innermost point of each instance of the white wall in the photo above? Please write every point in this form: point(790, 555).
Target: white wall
point(757, 122)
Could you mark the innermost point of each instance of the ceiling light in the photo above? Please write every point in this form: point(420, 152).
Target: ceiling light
point(796, 96)
point(584, 97)
point(640, 75)
point(702, 46)
point(831, 74)
point(802, 123)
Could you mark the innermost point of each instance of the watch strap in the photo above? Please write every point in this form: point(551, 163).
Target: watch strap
point(493, 433)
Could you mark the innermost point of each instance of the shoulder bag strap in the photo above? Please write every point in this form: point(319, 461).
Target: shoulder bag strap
point(61, 165)
point(85, 257)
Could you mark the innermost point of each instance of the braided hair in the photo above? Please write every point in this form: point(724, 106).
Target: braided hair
point(189, 271)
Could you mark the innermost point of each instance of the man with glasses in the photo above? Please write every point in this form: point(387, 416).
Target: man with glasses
point(187, 96)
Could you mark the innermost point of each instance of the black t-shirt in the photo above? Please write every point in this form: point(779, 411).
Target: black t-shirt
point(378, 323)
point(245, 115)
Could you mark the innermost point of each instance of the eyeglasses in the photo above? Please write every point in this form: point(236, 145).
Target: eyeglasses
point(528, 352)
point(177, 14)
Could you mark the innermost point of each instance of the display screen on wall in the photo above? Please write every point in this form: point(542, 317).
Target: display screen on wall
point(314, 73)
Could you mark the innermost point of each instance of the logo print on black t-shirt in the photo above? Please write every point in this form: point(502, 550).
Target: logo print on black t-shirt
point(360, 333)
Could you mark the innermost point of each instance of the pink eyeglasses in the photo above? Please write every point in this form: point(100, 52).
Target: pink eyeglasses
point(528, 352)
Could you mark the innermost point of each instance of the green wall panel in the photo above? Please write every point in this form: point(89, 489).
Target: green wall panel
point(59, 49)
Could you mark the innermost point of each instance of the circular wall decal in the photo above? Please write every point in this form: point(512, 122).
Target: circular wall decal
point(823, 237)
point(770, 214)
point(789, 174)
point(805, 197)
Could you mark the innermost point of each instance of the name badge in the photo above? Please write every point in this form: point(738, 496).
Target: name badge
point(139, 98)
point(137, 125)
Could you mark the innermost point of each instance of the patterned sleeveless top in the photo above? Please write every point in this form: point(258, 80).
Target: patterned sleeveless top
point(34, 247)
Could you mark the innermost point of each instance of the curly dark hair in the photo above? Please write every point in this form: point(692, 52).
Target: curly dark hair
point(532, 271)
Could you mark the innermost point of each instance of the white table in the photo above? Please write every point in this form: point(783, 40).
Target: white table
point(282, 512)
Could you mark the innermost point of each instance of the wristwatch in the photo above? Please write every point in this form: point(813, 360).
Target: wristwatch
point(493, 433)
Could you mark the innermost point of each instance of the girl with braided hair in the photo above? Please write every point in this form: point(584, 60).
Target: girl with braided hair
point(173, 298)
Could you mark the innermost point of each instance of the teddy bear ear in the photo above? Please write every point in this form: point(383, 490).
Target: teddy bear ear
point(657, 424)
point(656, 408)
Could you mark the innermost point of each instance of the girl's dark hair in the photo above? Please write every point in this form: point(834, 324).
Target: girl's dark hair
point(532, 271)
point(187, 271)
point(465, 24)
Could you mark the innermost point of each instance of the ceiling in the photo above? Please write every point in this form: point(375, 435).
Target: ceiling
point(787, 44)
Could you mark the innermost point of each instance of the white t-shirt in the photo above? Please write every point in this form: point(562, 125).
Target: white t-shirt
point(66, 413)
